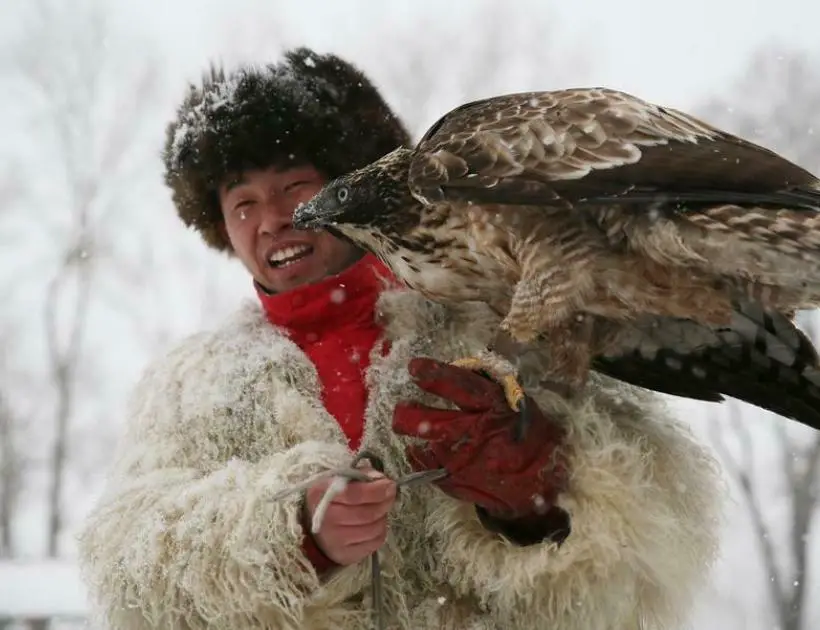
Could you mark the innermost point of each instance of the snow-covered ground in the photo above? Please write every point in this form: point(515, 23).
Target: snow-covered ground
point(37, 588)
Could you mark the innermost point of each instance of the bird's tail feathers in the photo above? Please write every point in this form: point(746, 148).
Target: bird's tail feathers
point(761, 358)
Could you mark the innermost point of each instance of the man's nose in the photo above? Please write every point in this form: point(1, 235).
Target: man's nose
point(276, 216)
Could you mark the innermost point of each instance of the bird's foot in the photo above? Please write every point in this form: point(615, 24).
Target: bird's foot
point(513, 391)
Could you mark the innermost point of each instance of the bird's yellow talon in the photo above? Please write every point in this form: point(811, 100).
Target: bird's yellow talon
point(513, 392)
point(471, 363)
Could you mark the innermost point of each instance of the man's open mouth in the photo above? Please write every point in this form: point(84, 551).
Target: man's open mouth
point(289, 255)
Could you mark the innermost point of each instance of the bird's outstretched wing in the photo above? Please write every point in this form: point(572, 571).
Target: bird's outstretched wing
point(596, 145)
point(760, 358)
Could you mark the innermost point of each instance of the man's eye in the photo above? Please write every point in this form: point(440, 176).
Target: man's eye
point(296, 184)
point(242, 205)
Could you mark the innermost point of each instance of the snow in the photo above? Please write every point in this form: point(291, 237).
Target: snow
point(197, 119)
point(222, 94)
point(43, 587)
point(676, 75)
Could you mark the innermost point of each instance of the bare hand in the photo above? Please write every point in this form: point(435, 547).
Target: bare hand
point(355, 524)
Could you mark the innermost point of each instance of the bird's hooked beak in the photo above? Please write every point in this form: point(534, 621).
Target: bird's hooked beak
point(315, 214)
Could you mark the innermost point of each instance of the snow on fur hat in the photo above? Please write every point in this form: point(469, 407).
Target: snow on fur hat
point(308, 109)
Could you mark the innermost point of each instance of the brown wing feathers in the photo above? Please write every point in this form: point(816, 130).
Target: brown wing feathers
point(602, 146)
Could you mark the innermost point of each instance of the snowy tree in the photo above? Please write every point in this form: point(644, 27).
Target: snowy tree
point(775, 102)
point(774, 463)
point(10, 477)
point(80, 107)
point(426, 76)
point(11, 454)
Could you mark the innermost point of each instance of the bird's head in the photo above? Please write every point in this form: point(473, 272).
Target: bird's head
point(372, 200)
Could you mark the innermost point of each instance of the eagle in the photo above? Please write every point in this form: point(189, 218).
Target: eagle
point(631, 239)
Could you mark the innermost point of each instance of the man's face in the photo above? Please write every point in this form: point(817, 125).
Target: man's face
point(257, 208)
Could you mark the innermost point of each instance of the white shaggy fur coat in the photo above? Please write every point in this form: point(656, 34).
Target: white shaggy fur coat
point(187, 538)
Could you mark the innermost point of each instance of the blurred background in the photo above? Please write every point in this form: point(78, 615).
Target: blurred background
point(98, 275)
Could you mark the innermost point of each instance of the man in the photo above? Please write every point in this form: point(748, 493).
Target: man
point(603, 518)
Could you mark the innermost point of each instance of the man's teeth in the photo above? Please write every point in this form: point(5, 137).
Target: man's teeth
point(288, 255)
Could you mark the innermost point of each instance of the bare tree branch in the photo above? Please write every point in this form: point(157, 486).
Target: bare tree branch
point(88, 112)
point(741, 470)
point(803, 508)
point(776, 102)
point(11, 465)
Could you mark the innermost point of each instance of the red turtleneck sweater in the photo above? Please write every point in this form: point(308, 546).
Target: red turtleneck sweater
point(333, 321)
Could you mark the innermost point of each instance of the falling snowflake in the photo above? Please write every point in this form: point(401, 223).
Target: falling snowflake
point(698, 372)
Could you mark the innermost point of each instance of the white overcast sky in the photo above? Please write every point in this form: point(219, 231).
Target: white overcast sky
point(667, 50)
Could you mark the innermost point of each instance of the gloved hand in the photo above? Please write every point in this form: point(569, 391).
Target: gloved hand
point(509, 480)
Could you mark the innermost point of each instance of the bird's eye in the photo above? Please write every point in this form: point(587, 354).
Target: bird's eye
point(343, 194)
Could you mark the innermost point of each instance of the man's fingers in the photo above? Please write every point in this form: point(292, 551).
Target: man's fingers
point(359, 515)
point(352, 535)
point(467, 389)
point(354, 552)
point(367, 468)
point(427, 423)
point(347, 544)
point(367, 492)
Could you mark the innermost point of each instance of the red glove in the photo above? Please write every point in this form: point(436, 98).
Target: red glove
point(509, 480)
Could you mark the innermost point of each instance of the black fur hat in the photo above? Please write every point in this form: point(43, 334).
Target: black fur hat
point(308, 109)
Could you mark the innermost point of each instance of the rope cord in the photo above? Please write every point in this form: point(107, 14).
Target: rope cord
point(343, 476)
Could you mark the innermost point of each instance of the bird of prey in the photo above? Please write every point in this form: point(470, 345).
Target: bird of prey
point(632, 239)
